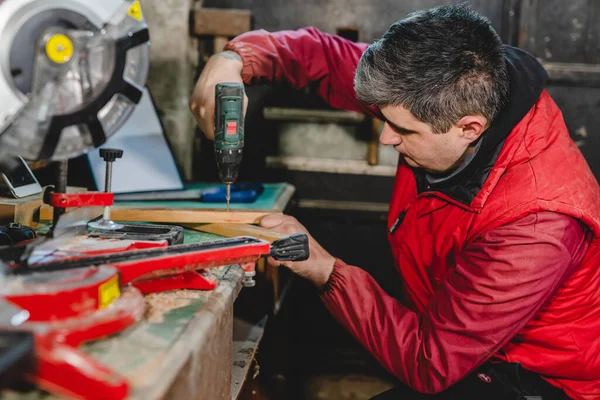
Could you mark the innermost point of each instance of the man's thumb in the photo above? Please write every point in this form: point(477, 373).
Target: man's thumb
point(271, 220)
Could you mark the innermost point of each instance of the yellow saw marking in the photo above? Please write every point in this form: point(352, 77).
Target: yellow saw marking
point(135, 11)
point(59, 48)
point(108, 292)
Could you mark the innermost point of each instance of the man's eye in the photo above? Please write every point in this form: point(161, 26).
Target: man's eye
point(403, 132)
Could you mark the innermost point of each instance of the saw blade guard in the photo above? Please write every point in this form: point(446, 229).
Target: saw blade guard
point(74, 69)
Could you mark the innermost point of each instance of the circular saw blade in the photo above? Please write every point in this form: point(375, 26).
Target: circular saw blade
point(72, 73)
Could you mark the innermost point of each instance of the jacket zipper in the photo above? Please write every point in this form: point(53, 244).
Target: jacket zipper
point(397, 222)
point(425, 193)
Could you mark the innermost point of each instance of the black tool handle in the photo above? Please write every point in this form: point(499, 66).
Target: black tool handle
point(291, 248)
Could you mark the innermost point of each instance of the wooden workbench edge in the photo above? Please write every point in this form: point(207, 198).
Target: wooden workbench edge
point(193, 336)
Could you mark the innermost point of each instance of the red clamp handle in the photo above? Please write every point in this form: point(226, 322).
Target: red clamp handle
point(86, 199)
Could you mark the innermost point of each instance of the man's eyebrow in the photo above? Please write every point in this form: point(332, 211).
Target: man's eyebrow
point(397, 128)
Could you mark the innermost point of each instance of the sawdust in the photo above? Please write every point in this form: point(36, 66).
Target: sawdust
point(157, 304)
point(247, 350)
point(12, 284)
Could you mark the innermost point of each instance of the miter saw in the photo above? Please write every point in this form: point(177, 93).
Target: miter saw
point(72, 73)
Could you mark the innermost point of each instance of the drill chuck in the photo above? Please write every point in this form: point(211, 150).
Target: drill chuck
point(228, 164)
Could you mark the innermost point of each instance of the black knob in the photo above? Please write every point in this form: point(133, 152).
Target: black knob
point(110, 155)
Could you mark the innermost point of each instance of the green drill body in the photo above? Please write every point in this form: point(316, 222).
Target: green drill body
point(229, 131)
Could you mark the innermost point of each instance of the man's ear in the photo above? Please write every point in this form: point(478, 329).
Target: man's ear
point(472, 126)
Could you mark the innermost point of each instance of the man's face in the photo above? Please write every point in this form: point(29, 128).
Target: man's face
point(418, 145)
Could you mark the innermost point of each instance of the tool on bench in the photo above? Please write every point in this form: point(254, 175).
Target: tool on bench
point(246, 192)
point(229, 132)
point(238, 193)
point(14, 233)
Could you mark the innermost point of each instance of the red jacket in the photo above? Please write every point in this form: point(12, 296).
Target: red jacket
point(510, 272)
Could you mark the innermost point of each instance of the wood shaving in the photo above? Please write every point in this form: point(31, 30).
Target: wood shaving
point(157, 304)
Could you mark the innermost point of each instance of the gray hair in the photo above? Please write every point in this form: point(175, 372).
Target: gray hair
point(440, 64)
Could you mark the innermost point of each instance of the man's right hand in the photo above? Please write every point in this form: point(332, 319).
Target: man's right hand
point(221, 67)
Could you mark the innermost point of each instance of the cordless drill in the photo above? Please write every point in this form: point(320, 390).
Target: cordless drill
point(229, 131)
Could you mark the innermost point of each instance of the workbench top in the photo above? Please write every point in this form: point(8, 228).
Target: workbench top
point(185, 344)
point(182, 346)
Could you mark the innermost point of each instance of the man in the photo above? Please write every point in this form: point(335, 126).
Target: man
point(494, 218)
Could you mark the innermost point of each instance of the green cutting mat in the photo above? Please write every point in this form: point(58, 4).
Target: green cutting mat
point(266, 201)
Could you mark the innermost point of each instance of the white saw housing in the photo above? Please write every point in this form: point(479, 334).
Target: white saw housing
point(72, 72)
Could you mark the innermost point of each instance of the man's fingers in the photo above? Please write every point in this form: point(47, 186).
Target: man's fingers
point(272, 220)
point(274, 262)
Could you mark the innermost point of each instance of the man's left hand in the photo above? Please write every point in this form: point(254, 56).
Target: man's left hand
point(319, 265)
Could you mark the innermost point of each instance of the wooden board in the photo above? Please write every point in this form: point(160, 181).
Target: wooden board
point(177, 215)
point(231, 230)
point(19, 212)
point(220, 22)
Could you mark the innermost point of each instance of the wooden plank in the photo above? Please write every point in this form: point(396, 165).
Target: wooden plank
point(373, 146)
point(231, 230)
point(573, 73)
point(220, 22)
point(344, 205)
point(219, 43)
point(24, 213)
point(177, 215)
point(21, 213)
point(330, 165)
point(308, 115)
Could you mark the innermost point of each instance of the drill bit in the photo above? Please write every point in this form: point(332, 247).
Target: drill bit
point(228, 195)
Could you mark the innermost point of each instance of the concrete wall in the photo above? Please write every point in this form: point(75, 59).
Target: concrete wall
point(371, 17)
point(172, 68)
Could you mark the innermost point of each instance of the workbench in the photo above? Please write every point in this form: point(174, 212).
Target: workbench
point(188, 344)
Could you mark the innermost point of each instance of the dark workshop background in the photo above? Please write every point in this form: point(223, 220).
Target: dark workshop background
point(306, 350)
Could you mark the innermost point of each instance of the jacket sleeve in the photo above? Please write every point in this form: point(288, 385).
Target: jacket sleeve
point(300, 58)
point(499, 283)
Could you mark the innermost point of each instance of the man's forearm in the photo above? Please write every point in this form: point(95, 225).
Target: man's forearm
point(484, 301)
point(300, 58)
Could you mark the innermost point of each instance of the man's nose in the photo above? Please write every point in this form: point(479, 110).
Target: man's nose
point(389, 137)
